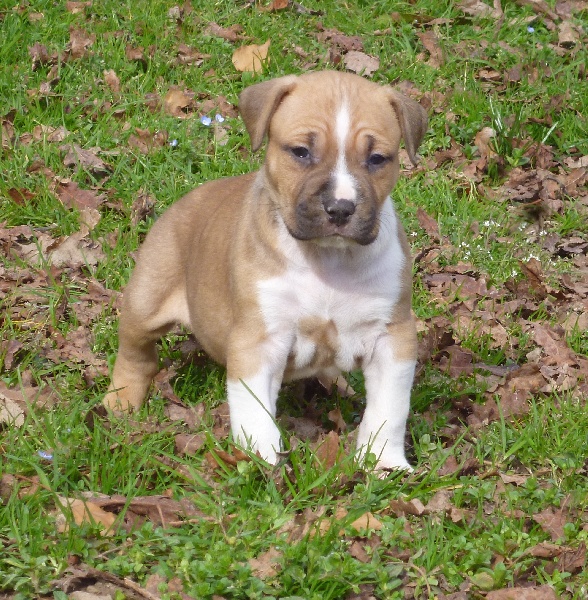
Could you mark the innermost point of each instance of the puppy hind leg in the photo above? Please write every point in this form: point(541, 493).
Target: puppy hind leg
point(137, 360)
point(136, 365)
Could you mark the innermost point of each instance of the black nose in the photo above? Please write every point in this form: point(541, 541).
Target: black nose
point(339, 211)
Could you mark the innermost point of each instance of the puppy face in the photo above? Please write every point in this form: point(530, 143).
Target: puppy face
point(331, 162)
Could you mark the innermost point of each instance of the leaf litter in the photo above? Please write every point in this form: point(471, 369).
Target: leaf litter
point(546, 365)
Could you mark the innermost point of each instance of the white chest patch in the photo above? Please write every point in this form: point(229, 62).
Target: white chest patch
point(330, 313)
point(344, 181)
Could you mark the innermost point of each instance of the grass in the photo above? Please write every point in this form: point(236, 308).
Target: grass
point(300, 512)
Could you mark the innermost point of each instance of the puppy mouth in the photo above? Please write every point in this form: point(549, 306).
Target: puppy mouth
point(325, 233)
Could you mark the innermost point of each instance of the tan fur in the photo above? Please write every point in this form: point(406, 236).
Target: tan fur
point(202, 261)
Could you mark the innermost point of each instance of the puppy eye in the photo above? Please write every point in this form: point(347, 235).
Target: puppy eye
point(375, 160)
point(300, 152)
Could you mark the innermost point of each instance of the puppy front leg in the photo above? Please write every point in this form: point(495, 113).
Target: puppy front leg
point(252, 404)
point(388, 381)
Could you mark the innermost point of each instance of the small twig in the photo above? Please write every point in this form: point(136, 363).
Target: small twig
point(139, 590)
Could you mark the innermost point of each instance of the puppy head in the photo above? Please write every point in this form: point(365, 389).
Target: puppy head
point(332, 156)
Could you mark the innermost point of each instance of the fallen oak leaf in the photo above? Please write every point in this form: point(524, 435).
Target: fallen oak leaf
point(83, 512)
point(77, 7)
point(337, 419)
point(136, 54)
point(361, 63)
point(347, 43)
point(400, 507)
point(251, 58)
point(143, 207)
point(552, 521)
point(544, 550)
point(365, 522)
point(75, 251)
point(11, 413)
point(275, 5)
point(177, 103)
point(539, 6)
point(145, 141)
point(74, 578)
point(20, 196)
point(572, 560)
point(328, 450)
point(112, 80)
point(79, 42)
point(477, 8)
point(87, 159)
point(230, 34)
point(543, 592)
point(73, 196)
point(431, 43)
point(47, 133)
point(266, 565)
point(190, 56)
point(40, 55)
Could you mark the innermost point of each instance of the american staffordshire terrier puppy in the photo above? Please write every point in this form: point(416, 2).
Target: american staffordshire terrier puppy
point(301, 269)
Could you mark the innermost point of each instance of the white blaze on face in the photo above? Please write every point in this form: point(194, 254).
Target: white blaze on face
point(344, 181)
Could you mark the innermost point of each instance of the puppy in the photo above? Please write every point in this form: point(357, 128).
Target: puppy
point(301, 269)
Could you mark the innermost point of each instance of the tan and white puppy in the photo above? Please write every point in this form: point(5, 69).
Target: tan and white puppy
point(300, 269)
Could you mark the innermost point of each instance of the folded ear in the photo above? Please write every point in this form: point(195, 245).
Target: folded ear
point(257, 104)
point(413, 121)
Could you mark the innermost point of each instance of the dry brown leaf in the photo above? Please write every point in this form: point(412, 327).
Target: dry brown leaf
point(189, 444)
point(231, 34)
point(366, 521)
point(40, 56)
point(429, 224)
point(84, 512)
point(14, 402)
point(336, 417)
point(552, 521)
point(539, 6)
point(177, 103)
point(133, 53)
point(266, 565)
point(544, 550)
point(361, 63)
point(572, 560)
point(20, 196)
point(49, 134)
point(328, 450)
point(440, 502)
point(358, 551)
point(89, 217)
point(79, 42)
point(402, 507)
point(11, 413)
point(477, 8)
point(251, 58)
point(483, 141)
point(143, 207)
point(145, 141)
point(276, 5)
point(576, 163)
point(112, 80)
point(76, 251)
point(77, 7)
point(543, 592)
point(73, 196)
point(347, 43)
point(516, 479)
point(87, 159)
point(431, 43)
point(190, 56)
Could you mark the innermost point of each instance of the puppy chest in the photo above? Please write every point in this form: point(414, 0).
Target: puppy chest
point(326, 327)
